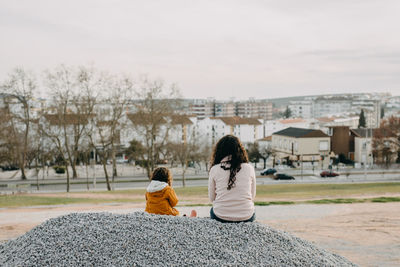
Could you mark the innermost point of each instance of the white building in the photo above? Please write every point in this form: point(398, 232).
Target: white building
point(298, 144)
point(363, 146)
point(302, 109)
point(248, 130)
point(273, 126)
point(331, 106)
point(326, 122)
point(372, 111)
point(175, 129)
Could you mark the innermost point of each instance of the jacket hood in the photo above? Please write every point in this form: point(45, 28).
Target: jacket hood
point(155, 186)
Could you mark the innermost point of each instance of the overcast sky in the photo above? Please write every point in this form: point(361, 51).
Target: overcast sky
point(218, 48)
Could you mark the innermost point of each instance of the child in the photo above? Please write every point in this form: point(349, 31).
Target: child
point(160, 196)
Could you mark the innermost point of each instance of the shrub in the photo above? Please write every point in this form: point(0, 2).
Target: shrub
point(142, 163)
point(9, 168)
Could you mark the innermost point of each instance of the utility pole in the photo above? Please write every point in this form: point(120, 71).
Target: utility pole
point(94, 168)
point(301, 158)
point(366, 153)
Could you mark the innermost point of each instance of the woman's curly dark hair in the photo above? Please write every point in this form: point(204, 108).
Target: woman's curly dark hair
point(163, 175)
point(231, 146)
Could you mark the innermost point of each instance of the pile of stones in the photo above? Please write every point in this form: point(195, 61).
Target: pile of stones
point(141, 239)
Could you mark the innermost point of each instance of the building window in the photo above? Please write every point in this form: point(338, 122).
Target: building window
point(364, 145)
point(323, 145)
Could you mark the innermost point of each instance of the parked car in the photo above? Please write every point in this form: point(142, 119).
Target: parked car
point(121, 160)
point(283, 176)
point(328, 174)
point(268, 171)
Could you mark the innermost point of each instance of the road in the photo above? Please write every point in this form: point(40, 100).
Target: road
point(140, 181)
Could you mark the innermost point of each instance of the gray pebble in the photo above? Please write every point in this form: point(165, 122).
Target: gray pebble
point(141, 239)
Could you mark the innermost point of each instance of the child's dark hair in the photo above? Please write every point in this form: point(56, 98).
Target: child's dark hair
point(231, 146)
point(163, 175)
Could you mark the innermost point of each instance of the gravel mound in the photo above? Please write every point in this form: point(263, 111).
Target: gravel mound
point(141, 239)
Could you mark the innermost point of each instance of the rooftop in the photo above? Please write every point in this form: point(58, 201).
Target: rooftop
point(288, 121)
point(301, 133)
point(237, 120)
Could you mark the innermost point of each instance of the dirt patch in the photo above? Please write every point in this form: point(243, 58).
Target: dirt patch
point(366, 233)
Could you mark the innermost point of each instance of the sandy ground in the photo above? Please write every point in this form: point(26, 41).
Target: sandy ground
point(366, 233)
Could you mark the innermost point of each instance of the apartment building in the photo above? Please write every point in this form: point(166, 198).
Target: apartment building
point(330, 106)
point(224, 109)
point(254, 109)
point(203, 108)
point(302, 109)
point(349, 107)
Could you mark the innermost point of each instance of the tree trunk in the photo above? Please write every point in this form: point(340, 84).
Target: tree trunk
point(87, 174)
point(148, 170)
point(23, 175)
point(114, 163)
point(37, 174)
point(106, 174)
point(25, 148)
point(66, 168)
point(183, 175)
point(265, 163)
point(74, 172)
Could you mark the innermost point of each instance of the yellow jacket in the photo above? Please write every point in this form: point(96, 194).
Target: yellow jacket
point(162, 201)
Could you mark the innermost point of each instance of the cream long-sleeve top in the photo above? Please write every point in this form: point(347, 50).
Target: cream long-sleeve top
point(236, 204)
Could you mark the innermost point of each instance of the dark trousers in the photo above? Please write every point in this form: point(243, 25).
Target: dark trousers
point(214, 217)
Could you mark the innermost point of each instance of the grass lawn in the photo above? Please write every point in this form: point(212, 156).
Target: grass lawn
point(278, 194)
point(22, 200)
point(306, 191)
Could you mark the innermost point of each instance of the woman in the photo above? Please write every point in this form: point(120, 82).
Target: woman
point(231, 183)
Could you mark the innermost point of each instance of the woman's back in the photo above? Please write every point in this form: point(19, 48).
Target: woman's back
point(237, 203)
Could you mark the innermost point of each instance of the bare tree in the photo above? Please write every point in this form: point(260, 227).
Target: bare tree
point(265, 151)
point(57, 127)
point(204, 154)
point(184, 148)
point(150, 121)
point(18, 92)
point(254, 153)
point(74, 93)
point(386, 141)
point(8, 155)
point(109, 120)
point(88, 82)
point(52, 127)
